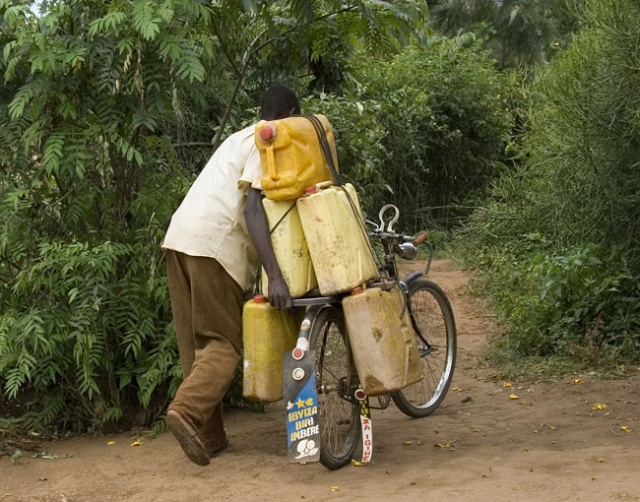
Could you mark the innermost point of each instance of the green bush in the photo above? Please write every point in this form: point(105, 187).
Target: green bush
point(87, 183)
point(578, 181)
point(578, 303)
point(443, 123)
point(558, 236)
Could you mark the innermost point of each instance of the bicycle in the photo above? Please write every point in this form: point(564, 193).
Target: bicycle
point(342, 408)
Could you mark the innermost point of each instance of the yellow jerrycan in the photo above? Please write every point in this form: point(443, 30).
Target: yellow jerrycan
point(382, 339)
point(290, 248)
point(337, 238)
point(267, 334)
point(292, 157)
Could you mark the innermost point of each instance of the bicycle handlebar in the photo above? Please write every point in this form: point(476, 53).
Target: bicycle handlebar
point(416, 239)
point(422, 236)
point(400, 244)
point(384, 230)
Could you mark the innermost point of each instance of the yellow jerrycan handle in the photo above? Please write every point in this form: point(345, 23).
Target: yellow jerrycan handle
point(271, 163)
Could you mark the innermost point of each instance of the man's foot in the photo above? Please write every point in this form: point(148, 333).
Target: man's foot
point(187, 437)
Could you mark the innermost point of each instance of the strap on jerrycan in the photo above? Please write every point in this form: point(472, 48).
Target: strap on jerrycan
point(325, 147)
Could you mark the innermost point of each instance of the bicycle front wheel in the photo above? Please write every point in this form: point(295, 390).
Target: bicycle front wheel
point(433, 321)
point(336, 382)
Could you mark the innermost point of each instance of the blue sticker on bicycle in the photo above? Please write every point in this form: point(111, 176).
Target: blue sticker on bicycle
point(303, 429)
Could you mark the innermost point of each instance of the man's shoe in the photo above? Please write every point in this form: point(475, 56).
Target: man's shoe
point(187, 437)
point(214, 452)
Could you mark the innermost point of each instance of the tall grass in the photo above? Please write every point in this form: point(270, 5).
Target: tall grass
point(559, 235)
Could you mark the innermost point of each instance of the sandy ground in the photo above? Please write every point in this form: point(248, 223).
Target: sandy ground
point(481, 444)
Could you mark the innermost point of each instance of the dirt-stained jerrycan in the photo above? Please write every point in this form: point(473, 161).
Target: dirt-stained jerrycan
point(267, 334)
point(382, 339)
point(337, 238)
point(290, 248)
point(291, 156)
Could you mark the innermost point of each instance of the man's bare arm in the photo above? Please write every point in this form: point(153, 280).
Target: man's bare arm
point(258, 227)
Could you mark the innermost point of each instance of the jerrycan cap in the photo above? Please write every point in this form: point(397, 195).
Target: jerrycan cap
point(356, 291)
point(317, 187)
point(268, 132)
point(259, 299)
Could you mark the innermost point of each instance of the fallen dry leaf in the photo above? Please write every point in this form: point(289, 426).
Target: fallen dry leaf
point(506, 385)
point(449, 444)
point(513, 396)
point(335, 488)
point(111, 443)
point(137, 442)
point(599, 406)
point(577, 381)
point(625, 428)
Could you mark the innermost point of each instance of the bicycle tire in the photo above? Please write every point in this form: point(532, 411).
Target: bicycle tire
point(336, 380)
point(434, 322)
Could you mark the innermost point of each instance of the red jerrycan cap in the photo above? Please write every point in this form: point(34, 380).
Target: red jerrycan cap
point(259, 299)
point(268, 132)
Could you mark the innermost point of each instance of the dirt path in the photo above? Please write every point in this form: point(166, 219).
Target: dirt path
point(482, 444)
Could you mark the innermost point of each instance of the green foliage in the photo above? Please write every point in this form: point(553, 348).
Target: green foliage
point(87, 188)
point(579, 182)
point(518, 32)
point(579, 303)
point(442, 122)
point(305, 44)
point(592, 95)
point(83, 324)
point(560, 231)
point(317, 48)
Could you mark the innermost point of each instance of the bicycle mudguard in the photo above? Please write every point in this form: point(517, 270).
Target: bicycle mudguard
point(301, 398)
point(412, 277)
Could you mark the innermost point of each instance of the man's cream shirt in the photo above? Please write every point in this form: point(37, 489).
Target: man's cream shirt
point(210, 221)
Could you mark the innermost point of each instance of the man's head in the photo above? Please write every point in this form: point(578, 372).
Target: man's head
point(278, 102)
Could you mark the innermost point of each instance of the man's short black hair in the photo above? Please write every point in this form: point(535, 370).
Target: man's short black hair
point(279, 102)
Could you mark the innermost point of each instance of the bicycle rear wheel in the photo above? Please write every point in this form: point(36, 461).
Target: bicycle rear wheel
point(435, 327)
point(336, 381)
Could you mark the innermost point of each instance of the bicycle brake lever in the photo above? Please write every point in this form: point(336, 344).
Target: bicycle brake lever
point(372, 223)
